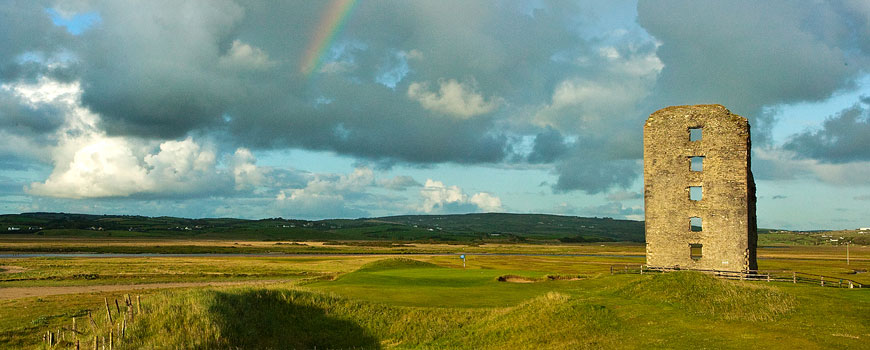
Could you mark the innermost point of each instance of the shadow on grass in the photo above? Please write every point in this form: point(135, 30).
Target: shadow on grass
point(265, 319)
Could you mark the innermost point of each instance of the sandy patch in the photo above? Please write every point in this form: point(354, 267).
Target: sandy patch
point(517, 279)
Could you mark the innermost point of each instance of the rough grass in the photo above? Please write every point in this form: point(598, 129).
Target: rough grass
point(447, 306)
point(706, 295)
point(292, 319)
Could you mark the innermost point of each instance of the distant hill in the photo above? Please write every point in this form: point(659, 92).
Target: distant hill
point(491, 227)
point(540, 226)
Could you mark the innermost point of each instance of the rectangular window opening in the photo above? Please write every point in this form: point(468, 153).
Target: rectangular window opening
point(695, 193)
point(694, 134)
point(697, 163)
point(695, 251)
point(695, 224)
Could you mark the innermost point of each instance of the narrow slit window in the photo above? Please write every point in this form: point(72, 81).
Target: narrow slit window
point(697, 163)
point(695, 193)
point(694, 134)
point(695, 224)
point(695, 251)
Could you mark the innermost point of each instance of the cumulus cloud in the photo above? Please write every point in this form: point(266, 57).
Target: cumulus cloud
point(108, 167)
point(453, 98)
point(244, 56)
point(438, 197)
point(486, 202)
point(90, 164)
point(246, 173)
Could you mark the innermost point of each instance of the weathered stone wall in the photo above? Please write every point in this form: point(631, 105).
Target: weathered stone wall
point(727, 207)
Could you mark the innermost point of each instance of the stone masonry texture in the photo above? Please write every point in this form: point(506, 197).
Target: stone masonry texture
point(728, 233)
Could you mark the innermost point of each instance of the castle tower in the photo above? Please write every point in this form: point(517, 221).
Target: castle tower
point(699, 193)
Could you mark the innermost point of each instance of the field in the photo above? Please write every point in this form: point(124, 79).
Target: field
point(416, 295)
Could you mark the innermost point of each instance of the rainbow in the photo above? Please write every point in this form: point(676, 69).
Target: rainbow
point(330, 24)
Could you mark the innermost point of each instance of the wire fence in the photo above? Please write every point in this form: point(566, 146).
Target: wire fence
point(749, 275)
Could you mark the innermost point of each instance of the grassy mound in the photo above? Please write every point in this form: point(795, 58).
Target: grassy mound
point(395, 263)
point(248, 319)
point(292, 319)
point(706, 295)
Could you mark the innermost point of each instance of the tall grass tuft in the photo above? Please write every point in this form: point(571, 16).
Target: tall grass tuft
point(244, 319)
point(706, 295)
point(292, 319)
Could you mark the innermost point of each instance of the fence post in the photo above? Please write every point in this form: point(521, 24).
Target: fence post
point(611, 269)
point(641, 269)
point(108, 311)
point(850, 285)
point(139, 303)
point(768, 276)
point(823, 280)
point(793, 277)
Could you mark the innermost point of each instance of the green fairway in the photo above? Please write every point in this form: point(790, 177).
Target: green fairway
point(432, 285)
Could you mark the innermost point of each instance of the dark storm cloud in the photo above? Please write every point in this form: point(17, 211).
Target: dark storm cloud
point(747, 55)
point(25, 28)
point(164, 69)
point(593, 171)
point(160, 71)
point(843, 138)
point(549, 145)
point(22, 118)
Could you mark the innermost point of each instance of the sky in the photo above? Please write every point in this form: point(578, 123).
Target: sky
point(347, 109)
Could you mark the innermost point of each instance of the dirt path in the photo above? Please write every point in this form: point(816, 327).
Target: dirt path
point(25, 292)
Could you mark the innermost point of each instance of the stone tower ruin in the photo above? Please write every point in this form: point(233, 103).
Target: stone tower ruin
point(699, 193)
